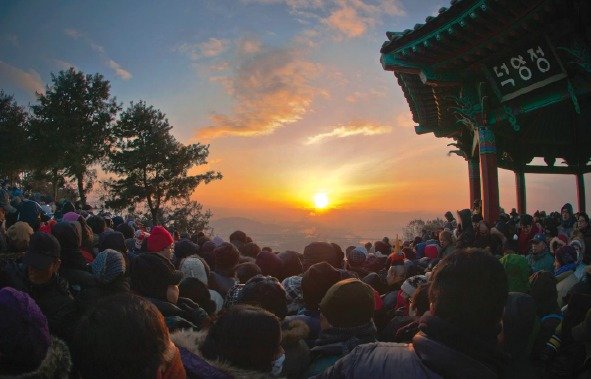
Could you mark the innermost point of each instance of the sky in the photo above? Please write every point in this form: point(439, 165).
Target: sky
point(289, 94)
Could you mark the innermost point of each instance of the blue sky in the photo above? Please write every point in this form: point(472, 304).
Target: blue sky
point(289, 94)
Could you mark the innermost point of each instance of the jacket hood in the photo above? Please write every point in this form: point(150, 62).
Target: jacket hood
point(192, 340)
point(56, 364)
point(293, 332)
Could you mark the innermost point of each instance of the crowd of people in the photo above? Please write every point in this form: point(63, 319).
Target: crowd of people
point(85, 295)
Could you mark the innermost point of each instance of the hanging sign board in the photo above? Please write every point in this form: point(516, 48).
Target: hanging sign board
point(525, 69)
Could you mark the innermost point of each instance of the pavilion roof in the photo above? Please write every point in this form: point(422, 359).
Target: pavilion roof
point(441, 64)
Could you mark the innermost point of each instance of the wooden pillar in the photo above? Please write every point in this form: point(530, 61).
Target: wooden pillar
point(490, 176)
point(581, 192)
point(520, 188)
point(474, 179)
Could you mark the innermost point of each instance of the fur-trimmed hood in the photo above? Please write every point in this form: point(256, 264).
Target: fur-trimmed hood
point(293, 332)
point(191, 341)
point(56, 364)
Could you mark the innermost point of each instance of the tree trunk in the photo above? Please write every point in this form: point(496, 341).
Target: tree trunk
point(80, 182)
point(54, 184)
point(155, 220)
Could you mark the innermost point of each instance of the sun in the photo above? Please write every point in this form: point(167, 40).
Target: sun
point(321, 200)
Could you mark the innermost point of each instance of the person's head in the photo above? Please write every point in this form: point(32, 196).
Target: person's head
point(265, 292)
point(250, 249)
point(247, 270)
point(97, 224)
point(410, 285)
point(18, 236)
point(42, 258)
point(194, 289)
point(449, 216)
point(356, 256)
point(317, 252)
point(24, 333)
point(238, 238)
point(579, 246)
point(543, 290)
point(184, 248)
point(270, 264)
point(195, 267)
point(160, 241)
point(245, 336)
point(226, 257)
point(154, 276)
point(125, 229)
point(113, 241)
point(291, 263)
point(526, 221)
point(518, 270)
point(347, 304)
point(566, 212)
point(469, 289)
point(108, 265)
point(538, 244)
point(564, 255)
point(123, 336)
point(445, 238)
point(316, 280)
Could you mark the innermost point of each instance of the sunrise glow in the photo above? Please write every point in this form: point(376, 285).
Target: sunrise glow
point(321, 200)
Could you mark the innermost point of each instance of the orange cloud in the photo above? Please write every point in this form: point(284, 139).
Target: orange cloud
point(348, 21)
point(30, 81)
point(356, 128)
point(119, 71)
point(271, 89)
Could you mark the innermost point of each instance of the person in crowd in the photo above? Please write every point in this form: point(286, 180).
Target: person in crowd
point(291, 263)
point(160, 242)
point(38, 275)
point(356, 258)
point(567, 224)
point(466, 234)
point(450, 222)
point(238, 239)
point(317, 252)
point(565, 264)
point(446, 243)
point(270, 264)
point(540, 258)
point(28, 211)
point(244, 342)
point(195, 290)
point(459, 339)
point(265, 292)
point(74, 267)
point(183, 248)
point(223, 276)
point(346, 318)
point(124, 336)
point(155, 278)
point(18, 236)
point(584, 232)
point(196, 267)
point(543, 291)
point(518, 271)
point(419, 305)
point(249, 250)
point(293, 291)
point(109, 269)
point(27, 349)
point(526, 233)
point(579, 247)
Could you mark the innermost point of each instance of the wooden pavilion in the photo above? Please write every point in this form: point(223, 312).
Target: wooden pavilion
point(509, 81)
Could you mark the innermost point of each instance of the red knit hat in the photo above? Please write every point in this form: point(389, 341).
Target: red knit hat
point(431, 251)
point(159, 239)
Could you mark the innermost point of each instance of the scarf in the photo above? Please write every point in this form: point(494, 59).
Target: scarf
point(565, 268)
point(483, 347)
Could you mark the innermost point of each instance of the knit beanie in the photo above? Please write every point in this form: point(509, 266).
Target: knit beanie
point(113, 241)
point(410, 285)
point(517, 270)
point(71, 217)
point(18, 236)
point(565, 255)
point(320, 252)
point(316, 281)
point(293, 291)
point(357, 256)
point(24, 334)
point(184, 248)
point(226, 256)
point(292, 265)
point(348, 303)
point(193, 267)
point(108, 265)
point(431, 251)
point(270, 264)
point(159, 239)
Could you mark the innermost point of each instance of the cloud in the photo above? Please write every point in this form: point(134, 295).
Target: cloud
point(29, 81)
point(213, 47)
point(63, 65)
point(356, 128)
point(73, 33)
point(119, 71)
point(101, 51)
point(271, 89)
point(372, 94)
